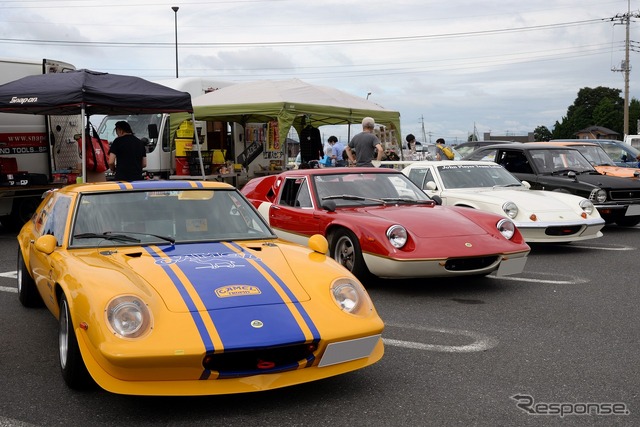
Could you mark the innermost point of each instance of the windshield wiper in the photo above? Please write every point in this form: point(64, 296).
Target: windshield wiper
point(405, 200)
point(108, 236)
point(159, 236)
point(351, 197)
point(563, 171)
point(513, 184)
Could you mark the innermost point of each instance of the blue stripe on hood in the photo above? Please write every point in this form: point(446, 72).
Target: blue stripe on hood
point(213, 269)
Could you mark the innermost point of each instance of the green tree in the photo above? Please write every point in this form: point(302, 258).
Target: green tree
point(541, 133)
point(599, 106)
point(634, 116)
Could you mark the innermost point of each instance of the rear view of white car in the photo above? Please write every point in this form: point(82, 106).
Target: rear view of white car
point(541, 216)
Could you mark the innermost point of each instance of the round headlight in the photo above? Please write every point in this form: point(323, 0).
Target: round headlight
point(510, 209)
point(587, 206)
point(599, 195)
point(397, 236)
point(506, 228)
point(128, 316)
point(351, 297)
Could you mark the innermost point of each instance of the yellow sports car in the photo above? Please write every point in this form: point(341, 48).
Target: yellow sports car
point(180, 288)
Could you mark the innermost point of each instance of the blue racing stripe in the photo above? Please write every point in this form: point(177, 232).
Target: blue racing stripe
point(195, 314)
point(299, 307)
point(163, 185)
point(244, 306)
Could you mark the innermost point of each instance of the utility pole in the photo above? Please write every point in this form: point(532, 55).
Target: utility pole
point(625, 66)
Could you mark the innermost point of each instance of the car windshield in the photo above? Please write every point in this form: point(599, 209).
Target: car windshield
point(349, 189)
point(474, 176)
point(596, 155)
point(560, 161)
point(165, 217)
point(139, 124)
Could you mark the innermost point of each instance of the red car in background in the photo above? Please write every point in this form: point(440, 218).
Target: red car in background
point(378, 222)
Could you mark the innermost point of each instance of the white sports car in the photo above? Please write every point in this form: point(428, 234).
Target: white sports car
point(541, 216)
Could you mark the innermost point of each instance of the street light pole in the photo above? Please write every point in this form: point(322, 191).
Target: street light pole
point(175, 9)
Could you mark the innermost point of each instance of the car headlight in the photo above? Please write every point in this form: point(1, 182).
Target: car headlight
point(397, 236)
point(598, 195)
point(128, 316)
point(587, 206)
point(506, 228)
point(351, 297)
point(510, 209)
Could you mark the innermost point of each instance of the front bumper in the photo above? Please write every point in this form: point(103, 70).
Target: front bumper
point(503, 264)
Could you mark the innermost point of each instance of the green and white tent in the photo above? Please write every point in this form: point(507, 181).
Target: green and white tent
point(289, 102)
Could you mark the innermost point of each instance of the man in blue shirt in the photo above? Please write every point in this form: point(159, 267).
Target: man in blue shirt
point(336, 151)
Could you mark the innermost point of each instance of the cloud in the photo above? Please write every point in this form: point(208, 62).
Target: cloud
point(448, 66)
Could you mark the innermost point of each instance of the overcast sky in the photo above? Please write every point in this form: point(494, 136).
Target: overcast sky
point(449, 66)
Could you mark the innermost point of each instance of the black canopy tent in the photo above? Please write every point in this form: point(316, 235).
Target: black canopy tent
point(89, 92)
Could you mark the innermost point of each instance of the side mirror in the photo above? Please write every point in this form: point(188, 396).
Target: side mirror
point(329, 205)
point(431, 186)
point(437, 199)
point(46, 244)
point(318, 243)
point(152, 130)
point(526, 184)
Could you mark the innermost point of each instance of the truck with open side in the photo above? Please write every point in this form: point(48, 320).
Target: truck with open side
point(33, 147)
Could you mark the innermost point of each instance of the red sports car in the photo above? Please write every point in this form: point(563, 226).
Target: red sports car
point(378, 222)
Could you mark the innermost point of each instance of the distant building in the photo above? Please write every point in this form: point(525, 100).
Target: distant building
point(515, 138)
point(597, 132)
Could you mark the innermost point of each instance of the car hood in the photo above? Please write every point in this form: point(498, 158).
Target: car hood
point(210, 276)
point(420, 220)
point(602, 181)
point(618, 171)
point(538, 201)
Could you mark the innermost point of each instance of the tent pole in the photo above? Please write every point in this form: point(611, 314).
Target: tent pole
point(195, 132)
point(84, 146)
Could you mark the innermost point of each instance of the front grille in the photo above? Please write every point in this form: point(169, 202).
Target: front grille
point(631, 195)
point(468, 264)
point(562, 231)
point(252, 361)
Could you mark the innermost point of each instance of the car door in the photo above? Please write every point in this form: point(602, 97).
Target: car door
point(293, 213)
point(519, 163)
point(51, 219)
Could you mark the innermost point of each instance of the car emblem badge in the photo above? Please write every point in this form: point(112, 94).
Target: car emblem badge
point(468, 244)
point(257, 324)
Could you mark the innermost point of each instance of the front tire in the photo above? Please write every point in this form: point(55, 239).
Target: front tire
point(27, 290)
point(74, 371)
point(345, 249)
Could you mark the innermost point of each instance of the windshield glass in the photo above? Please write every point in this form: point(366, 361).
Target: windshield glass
point(596, 155)
point(160, 217)
point(474, 176)
point(370, 188)
point(561, 160)
point(139, 125)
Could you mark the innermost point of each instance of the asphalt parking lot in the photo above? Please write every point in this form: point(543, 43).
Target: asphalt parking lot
point(555, 345)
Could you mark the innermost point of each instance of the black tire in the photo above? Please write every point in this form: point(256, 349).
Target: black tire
point(74, 371)
point(27, 290)
point(345, 249)
point(628, 221)
point(21, 212)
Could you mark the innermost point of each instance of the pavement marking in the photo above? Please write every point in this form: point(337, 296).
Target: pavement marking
point(11, 274)
point(571, 280)
point(604, 248)
point(10, 422)
point(7, 289)
point(481, 342)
